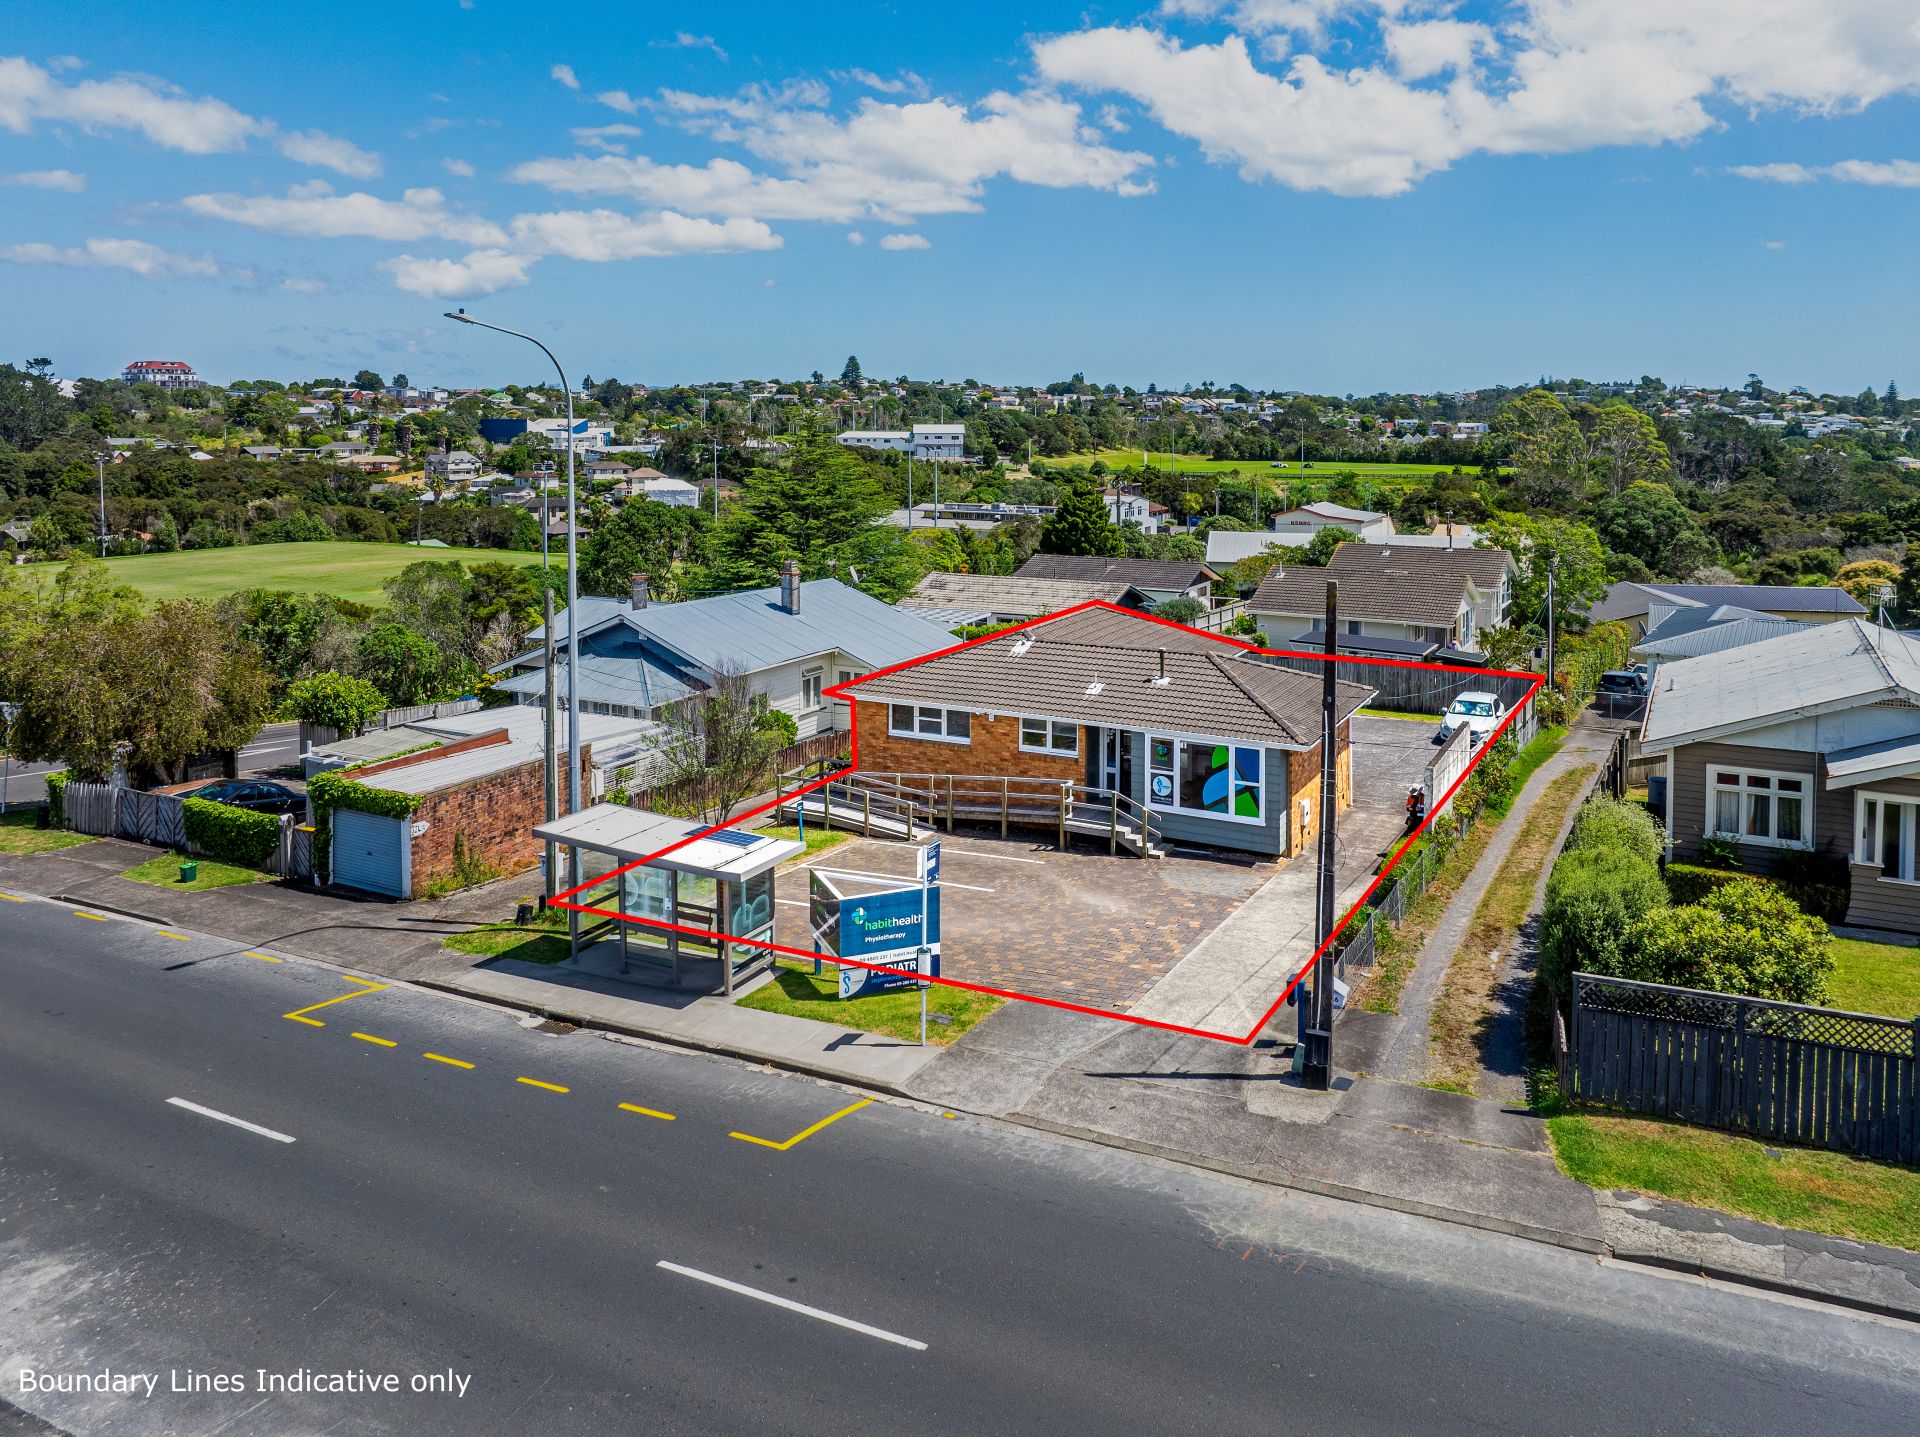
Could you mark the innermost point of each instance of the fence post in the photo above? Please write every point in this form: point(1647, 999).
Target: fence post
point(866, 813)
point(1113, 824)
point(1572, 1089)
point(949, 803)
point(1004, 799)
point(1063, 818)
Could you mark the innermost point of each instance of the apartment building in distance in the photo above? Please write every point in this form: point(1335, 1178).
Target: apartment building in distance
point(923, 441)
point(170, 374)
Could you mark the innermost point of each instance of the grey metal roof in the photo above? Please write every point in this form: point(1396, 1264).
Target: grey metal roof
point(616, 667)
point(1314, 640)
point(952, 616)
point(1100, 667)
point(1629, 599)
point(1141, 573)
point(627, 834)
point(1874, 762)
point(1814, 668)
point(1688, 633)
point(1011, 595)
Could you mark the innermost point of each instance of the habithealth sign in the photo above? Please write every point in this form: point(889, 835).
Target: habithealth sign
point(856, 917)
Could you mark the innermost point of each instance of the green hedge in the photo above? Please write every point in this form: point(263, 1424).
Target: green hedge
point(236, 835)
point(1695, 883)
point(328, 791)
point(1594, 894)
point(1605, 822)
point(1692, 882)
point(57, 799)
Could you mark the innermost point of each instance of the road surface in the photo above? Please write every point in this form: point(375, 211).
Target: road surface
point(602, 1237)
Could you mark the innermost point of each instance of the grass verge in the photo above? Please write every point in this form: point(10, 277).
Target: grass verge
point(506, 940)
point(18, 835)
point(164, 872)
point(1818, 1191)
point(1875, 978)
point(1543, 746)
point(816, 837)
point(1396, 714)
point(1463, 1009)
point(798, 993)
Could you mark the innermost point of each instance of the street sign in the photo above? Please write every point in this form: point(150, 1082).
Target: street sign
point(928, 863)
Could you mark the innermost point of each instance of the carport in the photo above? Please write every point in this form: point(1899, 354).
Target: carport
point(718, 882)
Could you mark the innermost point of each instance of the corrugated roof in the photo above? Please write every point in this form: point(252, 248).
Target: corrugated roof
point(1392, 583)
point(616, 667)
point(1688, 633)
point(1141, 573)
point(1815, 667)
point(1011, 594)
point(1873, 762)
point(1629, 599)
point(1099, 667)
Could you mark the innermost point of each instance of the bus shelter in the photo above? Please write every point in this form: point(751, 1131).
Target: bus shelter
point(717, 884)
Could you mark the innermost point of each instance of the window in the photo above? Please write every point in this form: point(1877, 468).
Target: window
point(810, 688)
point(1201, 776)
point(920, 721)
point(1885, 827)
point(1757, 807)
point(1038, 735)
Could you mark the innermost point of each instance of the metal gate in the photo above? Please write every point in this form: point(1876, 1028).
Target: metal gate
point(373, 852)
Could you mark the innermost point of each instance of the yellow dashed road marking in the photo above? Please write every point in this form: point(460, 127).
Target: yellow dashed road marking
point(315, 1007)
point(536, 1083)
point(168, 933)
point(264, 958)
point(94, 916)
point(369, 1038)
point(12, 897)
point(804, 1133)
point(647, 1112)
point(450, 1062)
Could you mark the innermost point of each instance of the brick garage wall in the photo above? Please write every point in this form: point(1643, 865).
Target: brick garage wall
point(495, 815)
point(1303, 781)
point(995, 750)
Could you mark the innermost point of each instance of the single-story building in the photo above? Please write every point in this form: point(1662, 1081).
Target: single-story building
point(955, 599)
point(1158, 580)
point(1706, 629)
point(1433, 599)
point(1309, 519)
point(1642, 606)
point(1218, 747)
point(1803, 742)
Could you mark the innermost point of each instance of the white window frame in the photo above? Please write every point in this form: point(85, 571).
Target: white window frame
point(1746, 791)
point(1869, 828)
point(811, 682)
point(1050, 731)
point(922, 715)
point(1180, 744)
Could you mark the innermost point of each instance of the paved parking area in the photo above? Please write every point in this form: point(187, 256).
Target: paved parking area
point(1108, 931)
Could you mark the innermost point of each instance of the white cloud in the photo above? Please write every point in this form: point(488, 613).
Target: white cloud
point(610, 139)
point(601, 235)
point(905, 242)
point(302, 285)
point(314, 210)
point(564, 74)
point(139, 257)
point(458, 167)
point(1896, 174)
point(30, 94)
point(485, 271)
point(311, 147)
point(684, 40)
point(1559, 75)
point(66, 180)
point(855, 238)
point(619, 100)
point(1773, 244)
point(905, 83)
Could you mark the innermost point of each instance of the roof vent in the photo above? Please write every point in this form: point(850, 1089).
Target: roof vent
point(1095, 687)
point(1021, 645)
point(1162, 681)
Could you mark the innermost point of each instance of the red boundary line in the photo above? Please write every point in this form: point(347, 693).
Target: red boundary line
point(1536, 682)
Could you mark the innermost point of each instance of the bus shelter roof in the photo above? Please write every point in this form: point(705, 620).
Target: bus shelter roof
point(629, 834)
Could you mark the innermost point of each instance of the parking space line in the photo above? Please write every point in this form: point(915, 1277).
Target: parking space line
point(790, 1305)
point(450, 1062)
point(94, 916)
point(229, 1118)
point(263, 957)
point(12, 897)
point(536, 1083)
point(169, 933)
point(383, 1042)
point(298, 1013)
point(647, 1112)
point(804, 1133)
point(996, 857)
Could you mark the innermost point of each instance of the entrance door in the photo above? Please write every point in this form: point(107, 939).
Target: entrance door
point(1115, 759)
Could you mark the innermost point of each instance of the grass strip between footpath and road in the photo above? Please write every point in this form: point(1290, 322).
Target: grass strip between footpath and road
point(1875, 978)
point(18, 834)
point(1463, 1008)
point(542, 941)
point(816, 837)
point(1832, 1193)
point(1397, 946)
point(164, 872)
point(797, 992)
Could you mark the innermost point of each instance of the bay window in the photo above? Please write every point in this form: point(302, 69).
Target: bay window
point(1755, 806)
point(1201, 776)
point(1884, 834)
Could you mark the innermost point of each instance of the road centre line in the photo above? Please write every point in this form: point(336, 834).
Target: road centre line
point(791, 1306)
point(647, 1112)
point(263, 957)
point(229, 1118)
point(298, 1014)
point(450, 1062)
point(536, 1083)
point(169, 933)
point(804, 1133)
point(12, 897)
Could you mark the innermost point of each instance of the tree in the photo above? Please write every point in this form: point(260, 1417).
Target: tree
point(1570, 550)
point(405, 667)
point(645, 537)
point(1646, 521)
point(1868, 577)
point(1746, 937)
point(1626, 448)
point(721, 746)
point(1890, 401)
point(850, 371)
point(400, 381)
point(188, 686)
point(1548, 450)
point(1082, 524)
point(336, 701)
point(1182, 609)
point(1318, 550)
point(368, 379)
point(1906, 588)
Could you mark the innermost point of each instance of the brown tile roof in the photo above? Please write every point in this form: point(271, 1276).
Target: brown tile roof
point(1141, 573)
point(1392, 584)
point(1098, 667)
point(1010, 593)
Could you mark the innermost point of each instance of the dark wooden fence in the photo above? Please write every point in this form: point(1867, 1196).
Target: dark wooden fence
point(1782, 1071)
point(1405, 688)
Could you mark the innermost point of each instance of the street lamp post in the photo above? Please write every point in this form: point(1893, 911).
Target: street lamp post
point(573, 591)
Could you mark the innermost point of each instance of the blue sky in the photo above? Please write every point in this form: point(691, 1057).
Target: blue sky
point(1336, 195)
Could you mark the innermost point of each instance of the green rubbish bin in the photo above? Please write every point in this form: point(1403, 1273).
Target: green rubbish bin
point(189, 870)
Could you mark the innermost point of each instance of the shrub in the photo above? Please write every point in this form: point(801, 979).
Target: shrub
point(1819, 880)
point(236, 835)
point(1609, 823)
point(1491, 781)
point(57, 799)
point(782, 725)
point(1691, 883)
point(1182, 610)
point(1594, 896)
point(1745, 937)
point(1551, 707)
point(335, 701)
point(1719, 852)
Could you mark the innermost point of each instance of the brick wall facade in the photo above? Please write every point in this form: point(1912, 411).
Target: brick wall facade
point(496, 816)
point(994, 749)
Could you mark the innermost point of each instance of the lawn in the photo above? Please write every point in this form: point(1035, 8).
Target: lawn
point(18, 834)
point(795, 991)
point(164, 872)
point(1819, 1191)
point(506, 940)
point(1396, 714)
point(348, 571)
point(816, 839)
point(1875, 978)
point(1321, 472)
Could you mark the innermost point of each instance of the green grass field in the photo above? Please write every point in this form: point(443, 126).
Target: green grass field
point(348, 571)
point(1875, 978)
point(1322, 471)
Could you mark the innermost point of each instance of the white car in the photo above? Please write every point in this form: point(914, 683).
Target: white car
point(1480, 711)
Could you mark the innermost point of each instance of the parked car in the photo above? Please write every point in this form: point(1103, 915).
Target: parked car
point(255, 794)
point(1623, 681)
point(1479, 710)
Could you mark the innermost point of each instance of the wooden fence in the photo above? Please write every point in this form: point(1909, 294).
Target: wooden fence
point(159, 819)
point(1404, 688)
point(1779, 1071)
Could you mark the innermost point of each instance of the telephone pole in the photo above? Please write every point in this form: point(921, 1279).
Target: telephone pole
point(1553, 567)
point(100, 464)
point(1316, 1006)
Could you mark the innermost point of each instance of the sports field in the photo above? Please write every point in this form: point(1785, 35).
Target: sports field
point(1319, 469)
point(349, 571)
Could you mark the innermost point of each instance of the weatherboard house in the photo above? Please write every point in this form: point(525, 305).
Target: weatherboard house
point(1219, 747)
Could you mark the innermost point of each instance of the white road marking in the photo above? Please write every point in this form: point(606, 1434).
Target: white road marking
point(228, 1118)
point(996, 857)
point(900, 878)
point(794, 902)
point(792, 1306)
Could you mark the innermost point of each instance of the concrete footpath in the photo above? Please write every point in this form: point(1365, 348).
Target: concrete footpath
point(1220, 1106)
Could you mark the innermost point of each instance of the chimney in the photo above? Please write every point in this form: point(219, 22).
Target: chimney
point(639, 592)
point(790, 586)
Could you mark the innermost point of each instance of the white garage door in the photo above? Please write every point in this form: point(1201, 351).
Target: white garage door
point(373, 852)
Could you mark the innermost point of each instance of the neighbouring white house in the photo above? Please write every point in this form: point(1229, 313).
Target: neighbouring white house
point(1130, 508)
point(1310, 519)
point(1395, 601)
point(168, 374)
point(456, 466)
point(677, 492)
point(923, 441)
